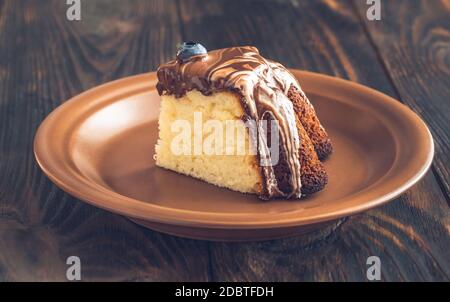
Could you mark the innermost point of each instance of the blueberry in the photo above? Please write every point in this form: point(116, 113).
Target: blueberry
point(189, 49)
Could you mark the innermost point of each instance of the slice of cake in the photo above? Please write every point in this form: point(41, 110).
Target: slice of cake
point(237, 120)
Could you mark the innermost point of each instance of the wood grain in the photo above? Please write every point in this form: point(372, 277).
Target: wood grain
point(45, 59)
point(413, 42)
point(325, 36)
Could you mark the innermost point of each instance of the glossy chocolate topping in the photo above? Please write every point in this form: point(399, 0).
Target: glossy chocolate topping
point(262, 85)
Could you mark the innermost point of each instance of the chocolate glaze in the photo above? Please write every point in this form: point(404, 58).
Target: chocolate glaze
point(262, 85)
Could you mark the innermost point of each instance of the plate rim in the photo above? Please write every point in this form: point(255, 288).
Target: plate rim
point(109, 200)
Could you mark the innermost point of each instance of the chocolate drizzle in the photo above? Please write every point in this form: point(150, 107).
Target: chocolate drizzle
point(262, 85)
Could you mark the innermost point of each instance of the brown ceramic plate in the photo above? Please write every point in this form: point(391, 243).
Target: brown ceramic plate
point(99, 147)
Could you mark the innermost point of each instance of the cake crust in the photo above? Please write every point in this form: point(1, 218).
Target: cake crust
point(310, 121)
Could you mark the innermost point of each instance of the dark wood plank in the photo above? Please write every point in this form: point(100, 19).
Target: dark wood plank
point(410, 235)
point(413, 39)
point(45, 59)
point(411, 241)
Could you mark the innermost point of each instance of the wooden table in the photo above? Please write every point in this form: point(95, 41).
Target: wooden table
point(45, 59)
